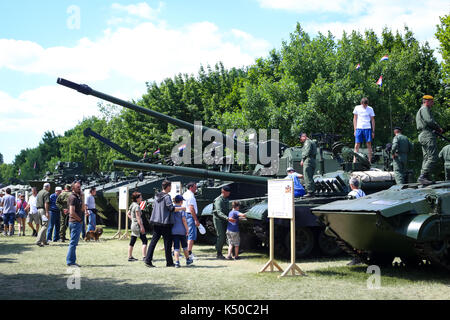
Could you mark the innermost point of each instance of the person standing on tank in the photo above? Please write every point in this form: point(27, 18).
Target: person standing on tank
point(401, 146)
point(426, 125)
point(445, 155)
point(364, 126)
point(309, 152)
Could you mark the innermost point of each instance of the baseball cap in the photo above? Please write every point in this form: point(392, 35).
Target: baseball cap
point(178, 198)
point(428, 97)
point(290, 169)
point(226, 188)
point(58, 189)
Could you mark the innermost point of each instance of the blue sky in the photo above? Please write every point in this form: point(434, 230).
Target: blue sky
point(116, 46)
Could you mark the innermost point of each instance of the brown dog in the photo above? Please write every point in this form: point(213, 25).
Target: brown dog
point(93, 235)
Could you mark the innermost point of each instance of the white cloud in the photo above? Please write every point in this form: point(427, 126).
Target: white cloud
point(123, 57)
point(145, 52)
point(304, 6)
point(141, 10)
point(420, 16)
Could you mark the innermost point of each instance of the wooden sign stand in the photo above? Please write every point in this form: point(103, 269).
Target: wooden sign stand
point(125, 235)
point(293, 268)
point(119, 228)
point(271, 263)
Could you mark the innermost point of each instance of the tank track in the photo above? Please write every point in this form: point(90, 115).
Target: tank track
point(356, 254)
point(426, 252)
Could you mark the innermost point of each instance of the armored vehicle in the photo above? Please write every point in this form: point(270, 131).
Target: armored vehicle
point(108, 193)
point(409, 221)
point(335, 166)
point(65, 172)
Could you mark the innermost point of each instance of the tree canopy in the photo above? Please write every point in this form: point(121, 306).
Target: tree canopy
point(309, 84)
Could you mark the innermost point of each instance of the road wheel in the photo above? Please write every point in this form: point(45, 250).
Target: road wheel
point(304, 242)
point(328, 245)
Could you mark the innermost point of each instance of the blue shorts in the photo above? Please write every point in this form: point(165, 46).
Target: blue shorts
point(177, 238)
point(9, 218)
point(192, 235)
point(363, 135)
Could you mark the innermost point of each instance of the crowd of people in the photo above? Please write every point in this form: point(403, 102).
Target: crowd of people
point(176, 220)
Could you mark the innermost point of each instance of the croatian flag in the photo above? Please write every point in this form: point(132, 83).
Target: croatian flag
point(380, 81)
point(182, 147)
point(142, 205)
point(384, 58)
point(157, 151)
point(358, 66)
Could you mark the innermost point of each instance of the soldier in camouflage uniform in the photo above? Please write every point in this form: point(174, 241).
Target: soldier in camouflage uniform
point(308, 162)
point(426, 125)
point(220, 218)
point(61, 202)
point(401, 146)
point(445, 155)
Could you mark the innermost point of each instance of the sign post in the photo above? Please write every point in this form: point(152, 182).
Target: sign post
point(123, 202)
point(281, 205)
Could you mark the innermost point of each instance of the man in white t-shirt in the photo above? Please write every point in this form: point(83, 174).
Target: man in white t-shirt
point(356, 192)
point(33, 215)
point(191, 215)
point(364, 126)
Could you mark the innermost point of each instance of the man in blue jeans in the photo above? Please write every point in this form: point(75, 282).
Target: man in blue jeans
point(55, 217)
point(91, 210)
point(76, 217)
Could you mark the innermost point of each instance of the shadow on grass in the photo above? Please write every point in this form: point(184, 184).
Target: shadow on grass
point(424, 273)
point(49, 287)
point(15, 248)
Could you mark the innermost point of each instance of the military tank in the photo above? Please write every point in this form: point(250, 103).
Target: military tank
point(65, 172)
point(335, 166)
point(107, 199)
point(408, 221)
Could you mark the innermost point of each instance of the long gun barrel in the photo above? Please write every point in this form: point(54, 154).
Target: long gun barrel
point(89, 132)
point(192, 172)
point(85, 89)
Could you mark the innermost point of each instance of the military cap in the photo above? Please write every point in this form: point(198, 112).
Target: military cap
point(428, 97)
point(398, 128)
point(226, 188)
point(68, 186)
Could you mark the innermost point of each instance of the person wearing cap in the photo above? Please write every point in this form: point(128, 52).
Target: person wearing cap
point(308, 163)
point(43, 206)
point(401, 146)
point(180, 231)
point(445, 155)
point(55, 217)
point(364, 126)
point(355, 193)
point(220, 218)
point(299, 191)
point(190, 203)
point(427, 139)
point(61, 202)
point(137, 226)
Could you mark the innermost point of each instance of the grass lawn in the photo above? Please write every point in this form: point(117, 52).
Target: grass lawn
point(30, 272)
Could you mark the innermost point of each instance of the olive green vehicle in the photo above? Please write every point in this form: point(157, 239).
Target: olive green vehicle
point(409, 221)
point(334, 168)
point(65, 172)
